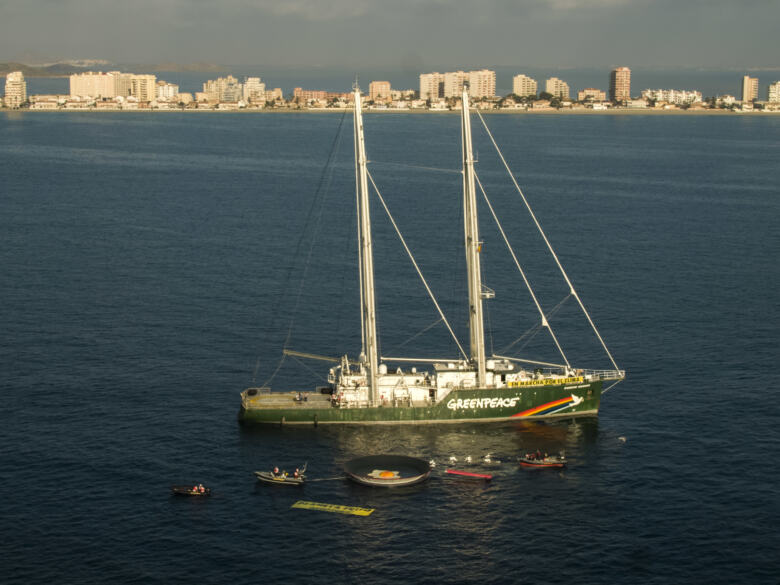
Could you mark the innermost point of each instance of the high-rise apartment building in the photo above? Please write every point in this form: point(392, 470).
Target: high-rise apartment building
point(431, 86)
point(166, 91)
point(454, 82)
point(379, 90)
point(93, 84)
point(523, 85)
point(773, 92)
point(123, 84)
point(620, 84)
point(557, 87)
point(223, 89)
point(143, 87)
point(15, 89)
point(749, 88)
point(254, 90)
point(482, 84)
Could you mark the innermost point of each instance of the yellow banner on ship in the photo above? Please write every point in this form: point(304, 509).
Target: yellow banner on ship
point(339, 509)
point(546, 382)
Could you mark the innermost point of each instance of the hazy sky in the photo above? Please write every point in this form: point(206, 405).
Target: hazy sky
point(415, 35)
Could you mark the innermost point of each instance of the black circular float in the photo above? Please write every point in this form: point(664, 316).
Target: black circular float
point(387, 470)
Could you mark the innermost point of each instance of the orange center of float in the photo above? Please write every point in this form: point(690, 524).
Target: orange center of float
point(386, 474)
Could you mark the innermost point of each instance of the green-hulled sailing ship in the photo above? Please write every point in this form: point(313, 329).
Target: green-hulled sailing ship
point(472, 387)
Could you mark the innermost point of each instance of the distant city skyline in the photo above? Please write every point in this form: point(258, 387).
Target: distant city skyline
point(709, 82)
point(404, 35)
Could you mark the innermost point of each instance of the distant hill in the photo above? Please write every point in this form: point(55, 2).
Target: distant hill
point(66, 69)
point(55, 70)
point(175, 67)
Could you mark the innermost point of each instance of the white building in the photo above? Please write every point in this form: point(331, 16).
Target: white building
point(254, 90)
point(166, 91)
point(454, 82)
point(726, 100)
point(431, 86)
point(15, 89)
point(672, 96)
point(402, 94)
point(223, 89)
point(123, 84)
point(482, 84)
point(143, 87)
point(113, 84)
point(93, 84)
point(523, 85)
point(773, 93)
point(557, 87)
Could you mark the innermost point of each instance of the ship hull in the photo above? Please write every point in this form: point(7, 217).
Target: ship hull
point(476, 405)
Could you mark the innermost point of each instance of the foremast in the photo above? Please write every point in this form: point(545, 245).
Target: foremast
point(369, 354)
point(473, 248)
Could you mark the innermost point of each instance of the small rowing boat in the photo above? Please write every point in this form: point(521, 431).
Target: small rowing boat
point(469, 474)
point(279, 479)
point(537, 460)
point(190, 490)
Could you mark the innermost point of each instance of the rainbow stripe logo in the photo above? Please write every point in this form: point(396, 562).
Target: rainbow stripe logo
point(550, 407)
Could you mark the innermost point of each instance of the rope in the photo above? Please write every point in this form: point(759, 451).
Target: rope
point(326, 479)
point(322, 186)
point(534, 329)
point(404, 165)
point(317, 374)
point(546, 241)
point(545, 323)
point(415, 336)
point(610, 387)
point(416, 267)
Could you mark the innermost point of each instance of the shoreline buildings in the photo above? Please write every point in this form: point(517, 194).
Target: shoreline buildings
point(113, 84)
point(672, 96)
point(15, 90)
point(591, 94)
point(115, 90)
point(749, 88)
point(524, 86)
point(557, 88)
point(482, 84)
point(773, 93)
point(380, 90)
point(620, 84)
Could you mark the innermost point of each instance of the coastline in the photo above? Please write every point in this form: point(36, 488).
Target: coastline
point(551, 112)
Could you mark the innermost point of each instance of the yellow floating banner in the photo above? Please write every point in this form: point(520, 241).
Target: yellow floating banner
point(339, 509)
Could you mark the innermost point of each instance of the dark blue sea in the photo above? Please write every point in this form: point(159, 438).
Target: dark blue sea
point(153, 266)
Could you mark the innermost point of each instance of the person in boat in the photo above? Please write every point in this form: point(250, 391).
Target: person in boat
point(201, 489)
point(276, 472)
point(296, 474)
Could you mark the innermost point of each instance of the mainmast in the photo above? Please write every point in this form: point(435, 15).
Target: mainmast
point(367, 303)
point(473, 246)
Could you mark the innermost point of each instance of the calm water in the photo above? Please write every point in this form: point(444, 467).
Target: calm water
point(152, 264)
